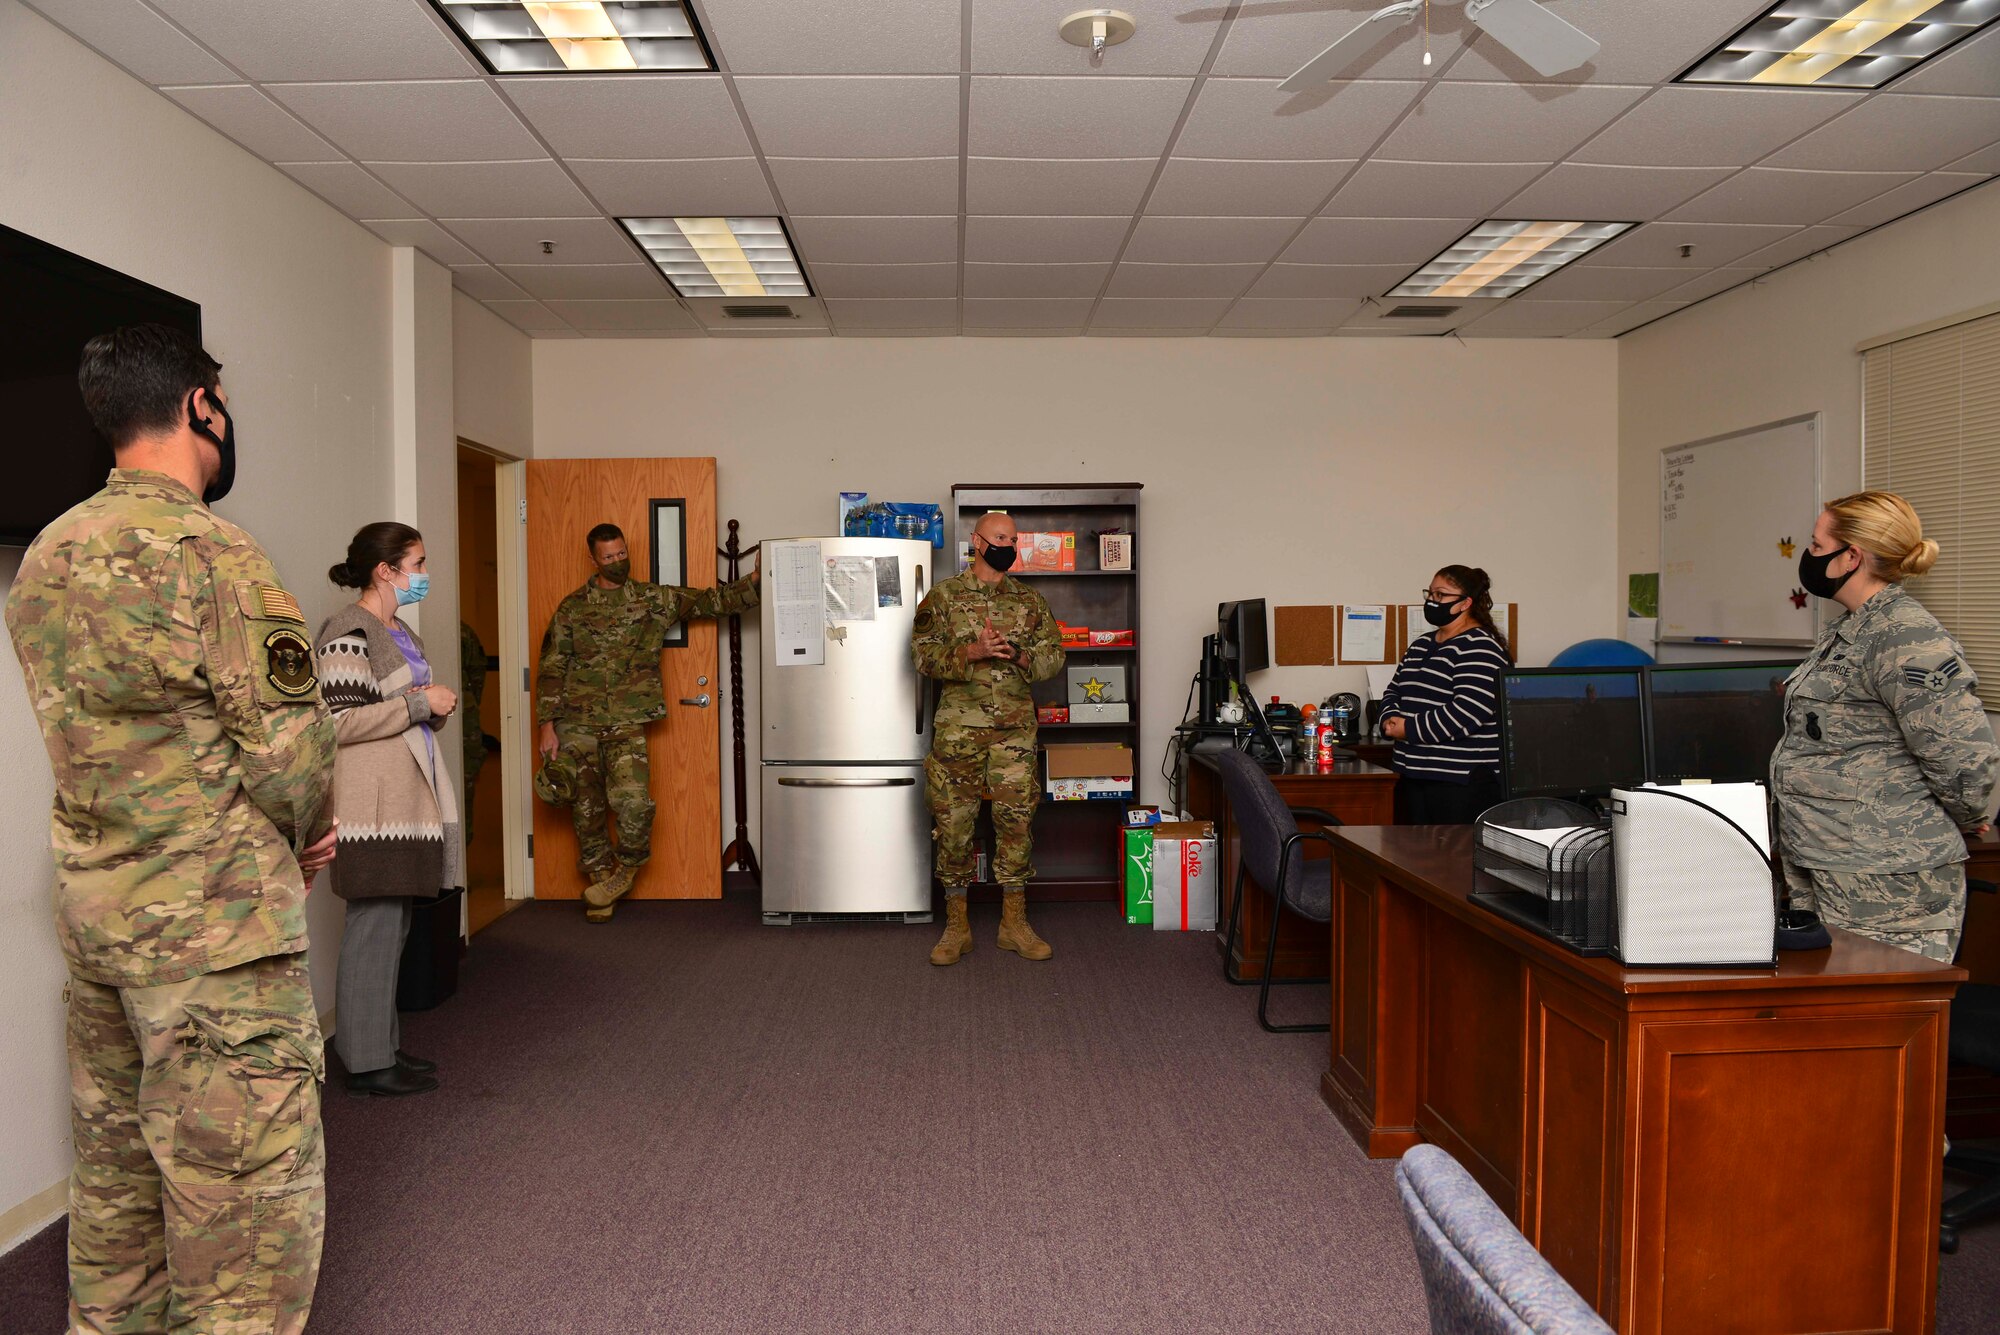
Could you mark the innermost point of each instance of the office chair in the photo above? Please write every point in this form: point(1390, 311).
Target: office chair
point(1481, 1277)
point(1268, 841)
point(1975, 1041)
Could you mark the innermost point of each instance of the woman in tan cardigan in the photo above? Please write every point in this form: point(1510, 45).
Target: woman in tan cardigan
point(398, 813)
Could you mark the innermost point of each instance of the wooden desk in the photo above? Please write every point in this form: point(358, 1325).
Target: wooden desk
point(1694, 1150)
point(1972, 1098)
point(1356, 792)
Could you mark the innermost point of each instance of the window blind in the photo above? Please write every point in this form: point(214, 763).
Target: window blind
point(1931, 433)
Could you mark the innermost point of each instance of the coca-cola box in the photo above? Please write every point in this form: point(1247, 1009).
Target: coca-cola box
point(1185, 874)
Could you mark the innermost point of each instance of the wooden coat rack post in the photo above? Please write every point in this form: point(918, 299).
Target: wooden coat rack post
point(739, 853)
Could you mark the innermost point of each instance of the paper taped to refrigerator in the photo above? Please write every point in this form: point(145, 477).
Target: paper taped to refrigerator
point(798, 605)
point(888, 582)
point(850, 588)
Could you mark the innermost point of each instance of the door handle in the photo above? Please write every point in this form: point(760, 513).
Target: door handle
point(847, 783)
point(699, 702)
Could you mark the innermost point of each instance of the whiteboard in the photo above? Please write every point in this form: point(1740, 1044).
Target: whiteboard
point(1735, 512)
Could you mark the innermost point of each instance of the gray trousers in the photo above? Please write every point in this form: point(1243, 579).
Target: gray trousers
point(367, 1031)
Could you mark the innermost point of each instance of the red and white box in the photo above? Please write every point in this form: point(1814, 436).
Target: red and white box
point(1186, 871)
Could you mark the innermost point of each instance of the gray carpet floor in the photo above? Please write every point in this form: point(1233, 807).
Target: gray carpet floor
point(685, 1121)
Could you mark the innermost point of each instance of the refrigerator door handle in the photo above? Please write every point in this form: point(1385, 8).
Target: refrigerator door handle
point(847, 783)
point(923, 683)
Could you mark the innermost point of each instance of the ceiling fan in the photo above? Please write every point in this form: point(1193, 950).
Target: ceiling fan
point(1547, 43)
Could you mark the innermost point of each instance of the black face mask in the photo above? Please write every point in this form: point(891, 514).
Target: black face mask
point(1812, 573)
point(1440, 614)
point(1000, 559)
point(225, 444)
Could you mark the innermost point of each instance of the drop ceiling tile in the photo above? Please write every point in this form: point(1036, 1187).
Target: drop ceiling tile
point(660, 315)
point(590, 282)
point(1405, 241)
point(1374, 319)
point(528, 316)
point(928, 315)
point(1044, 240)
point(256, 122)
point(456, 120)
point(1035, 280)
point(632, 333)
point(128, 32)
point(1023, 313)
point(483, 282)
point(424, 235)
point(1182, 280)
point(1009, 37)
point(1056, 187)
point(519, 240)
point(1634, 316)
point(1160, 240)
point(1777, 195)
point(1971, 67)
point(1305, 316)
point(1076, 332)
point(1890, 132)
point(643, 116)
point(350, 39)
point(1073, 117)
point(1658, 245)
point(1986, 162)
point(1713, 282)
point(1274, 40)
point(858, 240)
point(699, 187)
point(1295, 281)
point(1638, 43)
point(1684, 126)
point(1578, 283)
point(1806, 241)
point(871, 187)
point(1147, 331)
point(1920, 193)
point(353, 191)
point(1504, 122)
point(536, 188)
point(833, 36)
point(1540, 318)
point(1192, 187)
point(884, 280)
point(1573, 191)
point(857, 118)
point(1430, 189)
point(1250, 118)
point(1150, 313)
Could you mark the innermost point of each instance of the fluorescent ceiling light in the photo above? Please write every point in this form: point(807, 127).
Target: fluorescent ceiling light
point(580, 36)
point(1841, 43)
point(1498, 259)
point(722, 257)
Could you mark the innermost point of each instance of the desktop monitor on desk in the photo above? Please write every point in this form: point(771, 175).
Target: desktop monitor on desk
point(1242, 636)
point(1718, 722)
point(1571, 732)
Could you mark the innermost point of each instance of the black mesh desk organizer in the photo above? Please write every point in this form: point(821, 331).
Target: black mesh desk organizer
point(1564, 888)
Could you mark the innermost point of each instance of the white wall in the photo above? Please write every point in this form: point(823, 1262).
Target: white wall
point(1299, 471)
point(492, 380)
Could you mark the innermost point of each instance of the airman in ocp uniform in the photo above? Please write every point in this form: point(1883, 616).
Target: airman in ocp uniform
point(1888, 755)
point(172, 676)
point(988, 638)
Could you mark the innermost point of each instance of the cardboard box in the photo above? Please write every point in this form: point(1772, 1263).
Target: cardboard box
point(1139, 873)
point(1097, 789)
point(1051, 713)
point(1142, 816)
point(1096, 684)
point(1088, 760)
point(1114, 551)
point(1118, 713)
point(1185, 875)
point(1045, 553)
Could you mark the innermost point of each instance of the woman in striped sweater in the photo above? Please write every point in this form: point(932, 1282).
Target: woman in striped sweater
point(1442, 708)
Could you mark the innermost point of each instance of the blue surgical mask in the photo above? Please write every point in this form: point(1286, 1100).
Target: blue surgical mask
point(420, 585)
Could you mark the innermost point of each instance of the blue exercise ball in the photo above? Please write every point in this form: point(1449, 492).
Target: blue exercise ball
point(1602, 653)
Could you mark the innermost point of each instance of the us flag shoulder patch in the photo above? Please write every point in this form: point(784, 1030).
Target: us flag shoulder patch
point(1933, 679)
point(278, 605)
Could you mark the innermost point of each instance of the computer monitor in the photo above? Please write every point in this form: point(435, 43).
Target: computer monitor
point(1715, 721)
point(1242, 637)
point(1571, 732)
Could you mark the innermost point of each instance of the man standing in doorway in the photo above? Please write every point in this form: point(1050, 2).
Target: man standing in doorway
point(173, 679)
point(989, 638)
point(598, 688)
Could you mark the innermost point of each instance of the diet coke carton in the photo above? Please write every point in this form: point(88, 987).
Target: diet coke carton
point(1185, 874)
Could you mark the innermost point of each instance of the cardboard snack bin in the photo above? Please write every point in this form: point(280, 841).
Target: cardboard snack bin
point(1185, 874)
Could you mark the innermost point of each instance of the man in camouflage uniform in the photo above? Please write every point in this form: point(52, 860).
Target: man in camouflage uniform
point(173, 679)
point(598, 688)
point(1887, 756)
point(988, 638)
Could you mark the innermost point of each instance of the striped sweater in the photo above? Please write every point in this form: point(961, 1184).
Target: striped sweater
point(1449, 694)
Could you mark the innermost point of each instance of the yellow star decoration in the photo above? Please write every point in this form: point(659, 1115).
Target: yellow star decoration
point(1093, 690)
point(1786, 547)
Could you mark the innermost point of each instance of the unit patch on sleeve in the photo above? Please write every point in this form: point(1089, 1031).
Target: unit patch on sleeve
point(288, 662)
point(1934, 679)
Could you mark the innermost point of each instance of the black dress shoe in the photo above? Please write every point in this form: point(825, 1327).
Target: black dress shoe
point(390, 1082)
point(418, 1065)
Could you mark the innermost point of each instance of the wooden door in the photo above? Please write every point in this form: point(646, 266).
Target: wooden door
point(566, 499)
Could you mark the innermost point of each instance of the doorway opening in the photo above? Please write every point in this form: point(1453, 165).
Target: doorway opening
point(479, 648)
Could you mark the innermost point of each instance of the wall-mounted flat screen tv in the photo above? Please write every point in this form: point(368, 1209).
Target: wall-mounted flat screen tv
point(56, 302)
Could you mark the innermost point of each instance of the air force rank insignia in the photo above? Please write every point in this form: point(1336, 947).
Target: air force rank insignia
point(1934, 679)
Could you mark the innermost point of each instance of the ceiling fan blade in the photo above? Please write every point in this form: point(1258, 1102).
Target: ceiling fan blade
point(1547, 42)
point(1367, 35)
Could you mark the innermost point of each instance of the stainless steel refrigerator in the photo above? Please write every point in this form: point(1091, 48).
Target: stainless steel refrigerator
point(846, 727)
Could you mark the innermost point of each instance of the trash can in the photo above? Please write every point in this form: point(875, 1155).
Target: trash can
point(429, 971)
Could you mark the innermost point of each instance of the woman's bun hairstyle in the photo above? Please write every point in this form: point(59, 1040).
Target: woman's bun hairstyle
point(373, 544)
point(1887, 530)
point(1476, 584)
point(1919, 559)
point(343, 575)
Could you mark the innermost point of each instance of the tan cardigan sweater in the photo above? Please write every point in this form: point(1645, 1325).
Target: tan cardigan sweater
point(399, 826)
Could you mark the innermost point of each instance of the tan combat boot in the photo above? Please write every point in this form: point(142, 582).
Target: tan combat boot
point(597, 915)
point(612, 888)
point(957, 938)
point(1015, 934)
point(593, 891)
